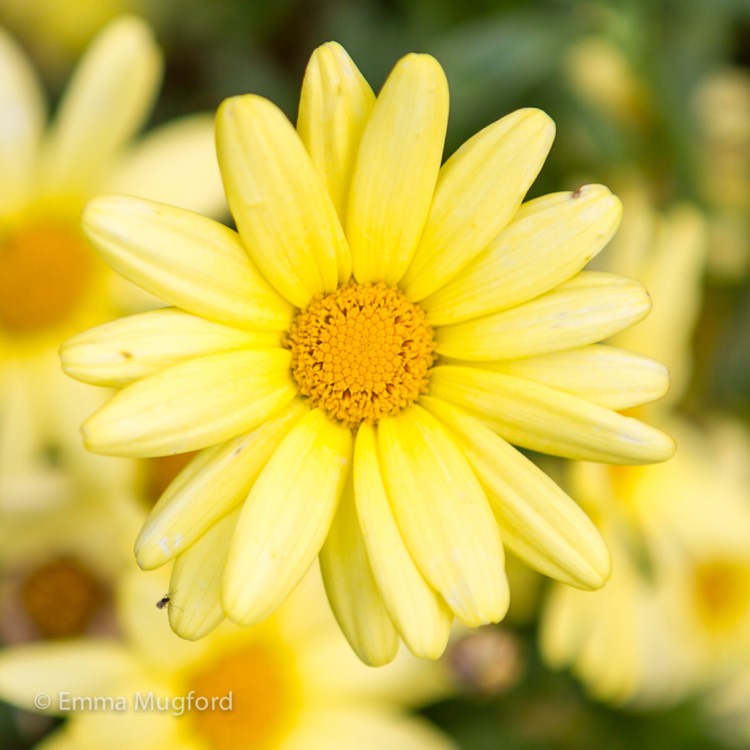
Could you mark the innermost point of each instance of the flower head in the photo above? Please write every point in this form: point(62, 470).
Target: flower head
point(352, 361)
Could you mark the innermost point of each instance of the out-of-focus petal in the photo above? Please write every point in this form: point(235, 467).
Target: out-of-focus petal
point(106, 102)
point(176, 164)
point(23, 113)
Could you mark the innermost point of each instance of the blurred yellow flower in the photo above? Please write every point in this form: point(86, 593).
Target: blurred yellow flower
point(675, 616)
point(60, 558)
point(380, 312)
point(290, 684)
point(51, 283)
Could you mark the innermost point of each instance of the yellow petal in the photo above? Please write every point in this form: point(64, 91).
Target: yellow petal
point(176, 164)
point(23, 112)
point(396, 169)
point(81, 668)
point(604, 375)
point(352, 590)
point(673, 271)
point(286, 518)
point(538, 521)
point(547, 420)
point(334, 107)
point(284, 215)
point(195, 587)
point(364, 727)
point(416, 609)
point(586, 309)
point(208, 487)
point(193, 404)
point(479, 189)
point(564, 627)
point(186, 259)
point(134, 347)
point(549, 240)
point(124, 730)
point(105, 103)
point(444, 516)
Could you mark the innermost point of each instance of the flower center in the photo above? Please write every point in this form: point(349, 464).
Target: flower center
point(61, 597)
point(722, 591)
point(44, 270)
point(260, 677)
point(361, 353)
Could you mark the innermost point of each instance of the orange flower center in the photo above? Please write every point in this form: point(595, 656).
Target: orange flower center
point(44, 271)
point(722, 591)
point(61, 597)
point(361, 353)
point(264, 698)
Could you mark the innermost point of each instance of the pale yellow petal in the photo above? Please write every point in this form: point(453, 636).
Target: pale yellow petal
point(284, 214)
point(195, 587)
point(105, 103)
point(564, 627)
point(175, 164)
point(286, 518)
point(604, 375)
point(443, 515)
point(673, 273)
point(117, 353)
point(538, 521)
point(79, 667)
point(588, 308)
point(186, 259)
point(352, 590)
point(346, 727)
point(479, 189)
point(397, 169)
point(23, 112)
point(547, 420)
point(419, 613)
point(193, 404)
point(212, 483)
point(334, 107)
point(549, 240)
point(124, 730)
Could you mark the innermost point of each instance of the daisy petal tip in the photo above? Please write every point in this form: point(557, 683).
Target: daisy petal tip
point(422, 66)
point(598, 571)
point(333, 52)
point(148, 555)
point(238, 611)
point(665, 448)
point(242, 105)
point(539, 120)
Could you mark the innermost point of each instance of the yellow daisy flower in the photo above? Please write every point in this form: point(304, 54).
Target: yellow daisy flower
point(355, 360)
point(289, 684)
point(51, 283)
